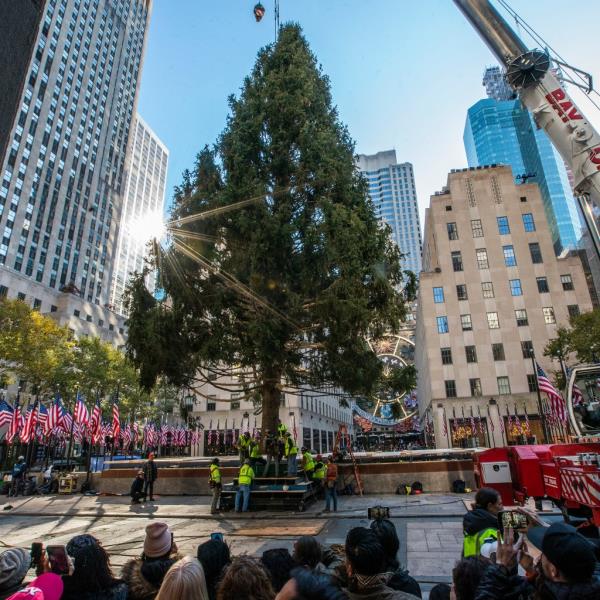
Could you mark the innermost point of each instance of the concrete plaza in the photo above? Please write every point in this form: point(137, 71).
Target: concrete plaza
point(429, 526)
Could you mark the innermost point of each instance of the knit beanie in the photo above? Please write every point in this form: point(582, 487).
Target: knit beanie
point(158, 540)
point(14, 564)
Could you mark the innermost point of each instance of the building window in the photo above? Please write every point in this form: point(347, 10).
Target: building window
point(510, 260)
point(452, 231)
point(482, 258)
point(211, 406)
point(21, 296)
point(442, 324)
point(76, 312)
point(37, 304)
point(515, 287)
point(573, 310)
point(503, 226)
point(492, 319)
point(53, 308)
point(532, 383)
point(523, 198)
point(100, 322)
point(549, 317)
point(476, 228)
point(446, 356)
point(457, 263)
point(528, 222)
point(503, 385)
point(542, 284)
point(527, 348)
point(461, 292)
point(3, 291)
point(487, 288)
point(235, 405)
point(521, 315)
point(471, 354)
point(450, 388)
point(475, 387)
point(438, 295)
point(498, 351)
point(465, 322)
point(536, 253)
point(567, 282)
point(88, 318)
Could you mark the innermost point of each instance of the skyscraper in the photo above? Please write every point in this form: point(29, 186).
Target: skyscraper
point(63, 168)
point(499, 131)
point(143, 206)
point(392, 191)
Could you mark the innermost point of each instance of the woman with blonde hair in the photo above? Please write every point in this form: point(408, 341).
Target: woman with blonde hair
point(184, 581)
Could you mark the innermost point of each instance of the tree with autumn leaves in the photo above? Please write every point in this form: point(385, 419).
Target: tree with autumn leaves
point(278, 269)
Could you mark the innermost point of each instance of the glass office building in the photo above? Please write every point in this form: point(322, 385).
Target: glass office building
point(62, 174)
point(392, 191)
point(500, 131)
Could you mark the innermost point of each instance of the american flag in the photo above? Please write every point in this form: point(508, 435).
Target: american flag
point(445, 425)
point(492, 426)
point(65, 421)
point(96, 422)
point(195, 440)
point(55, 413)
point(126, 435)
point(556, 400)
point(16, 424)
point(30, 423)
point(577, 395)
point(136, 433)
point(473, 426)
point(82, 414)
point(6, 412)
point(116, 424)
point(43, 417)
point(164, 435)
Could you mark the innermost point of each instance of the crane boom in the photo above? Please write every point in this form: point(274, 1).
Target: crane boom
point(528, 73)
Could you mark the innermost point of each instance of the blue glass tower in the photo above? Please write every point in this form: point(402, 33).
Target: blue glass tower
point(499, 130)
point(392, 191)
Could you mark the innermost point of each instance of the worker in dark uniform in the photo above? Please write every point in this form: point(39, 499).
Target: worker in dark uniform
point(214, 481)
point(272, 449)
point(150, 476)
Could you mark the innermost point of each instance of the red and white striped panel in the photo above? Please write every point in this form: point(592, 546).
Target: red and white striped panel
point(593, 482)
point(575, 488)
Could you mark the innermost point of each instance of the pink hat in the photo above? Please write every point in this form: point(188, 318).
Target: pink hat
point(159, 540)
point(48, 586)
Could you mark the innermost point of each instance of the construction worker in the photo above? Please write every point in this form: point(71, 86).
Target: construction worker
point(281, 429)
point(308, 464)
point(242, 445)
point(291, 453)
point(245, 478)
point(272, 449)
point(319, 474)
point(254, 452)
point(214, 481)
point(331, 485)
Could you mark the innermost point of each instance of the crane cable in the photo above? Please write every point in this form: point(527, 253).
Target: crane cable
point(540, 41)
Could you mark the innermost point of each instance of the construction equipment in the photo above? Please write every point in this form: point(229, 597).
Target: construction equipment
point(343, 435)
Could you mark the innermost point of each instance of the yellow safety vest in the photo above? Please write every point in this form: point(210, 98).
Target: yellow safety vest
point(246, 475)
point(320, 471)
point(243, 443)
point(281, 429)
point(254, 450)
point(472, 543)
point(215, 474)
point(290, 447)
point(309, 463)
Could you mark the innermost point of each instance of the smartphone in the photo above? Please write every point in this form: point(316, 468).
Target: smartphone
point(217, 536)
point(59, 561)
point(379, 512)
point(511, 518)
point(37, 549)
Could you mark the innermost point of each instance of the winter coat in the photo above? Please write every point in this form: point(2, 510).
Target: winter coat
point(479, 519)
point(118, 591)
point(144, 577)
point(403, 582)
point(150, 471)
point(379, 591)
point(136, 487)
point(498, 584)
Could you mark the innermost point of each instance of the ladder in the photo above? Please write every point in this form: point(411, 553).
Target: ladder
point(343, 434)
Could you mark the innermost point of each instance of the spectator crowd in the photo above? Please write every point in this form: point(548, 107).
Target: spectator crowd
point(495, 565)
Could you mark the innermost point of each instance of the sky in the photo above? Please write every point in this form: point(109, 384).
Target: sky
point(403, 73)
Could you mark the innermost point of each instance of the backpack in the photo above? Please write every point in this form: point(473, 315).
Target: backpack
point(459, 486)
point(416, 488)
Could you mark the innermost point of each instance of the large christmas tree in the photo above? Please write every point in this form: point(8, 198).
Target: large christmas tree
point(278, 266)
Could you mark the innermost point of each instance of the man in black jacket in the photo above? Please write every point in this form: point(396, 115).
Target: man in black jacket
point(137, 487)
point(150, 476)
point(567, 569)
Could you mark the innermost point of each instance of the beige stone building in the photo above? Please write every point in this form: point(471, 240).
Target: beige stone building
point(491, 290)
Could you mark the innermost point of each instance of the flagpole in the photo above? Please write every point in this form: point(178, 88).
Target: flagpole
point(539, 399)
point(72, 428)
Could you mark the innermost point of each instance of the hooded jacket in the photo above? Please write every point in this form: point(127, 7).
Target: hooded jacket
point(144, 577)
point(118, 591)
point(479, 519)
